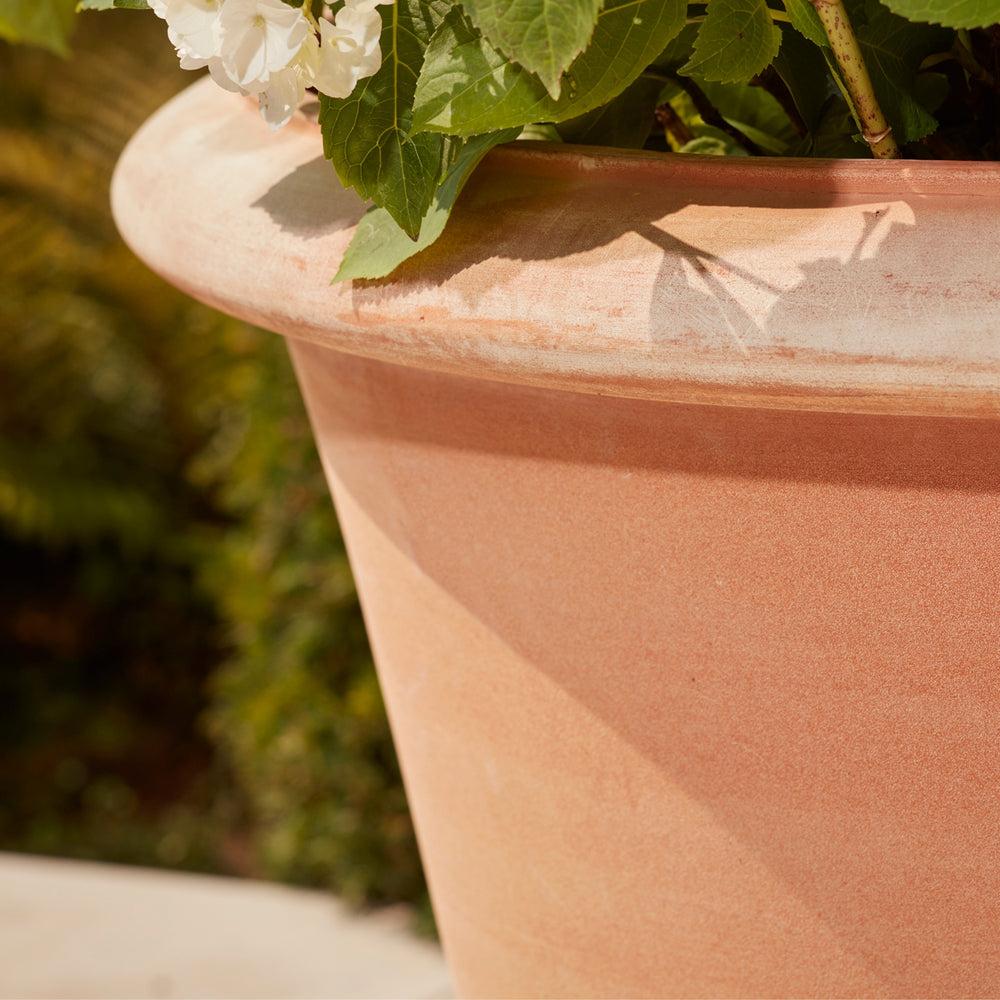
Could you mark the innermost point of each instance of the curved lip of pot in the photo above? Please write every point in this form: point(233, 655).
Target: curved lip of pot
point(838, 285)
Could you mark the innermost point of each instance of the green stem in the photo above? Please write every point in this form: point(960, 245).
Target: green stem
point(875, 129)
point(962, 51)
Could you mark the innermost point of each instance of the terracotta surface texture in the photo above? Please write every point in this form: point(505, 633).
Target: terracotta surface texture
point(816, 284)
point(672, 494)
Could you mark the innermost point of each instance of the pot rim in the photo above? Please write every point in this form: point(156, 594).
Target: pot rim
point(537, 305)
point(958, 178)
point(861, 175)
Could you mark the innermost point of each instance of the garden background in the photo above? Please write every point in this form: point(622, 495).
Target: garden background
point(184, 675)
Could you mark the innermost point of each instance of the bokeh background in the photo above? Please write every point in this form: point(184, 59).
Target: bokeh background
point(184, 675)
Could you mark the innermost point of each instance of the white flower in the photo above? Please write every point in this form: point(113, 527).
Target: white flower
point(272, 50)
point(220, 77)
point(283, 94)
point(193, 28)
point(366, 5)
point(258, 38)
point(348, 50)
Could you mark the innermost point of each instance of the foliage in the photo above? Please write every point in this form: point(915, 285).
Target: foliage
point(487, 66)
point(184, 678)
point(38, 22)
point(104, 643)
point(809, 77)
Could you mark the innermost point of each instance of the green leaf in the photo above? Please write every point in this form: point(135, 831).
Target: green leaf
point(951, 13)
point(467, 87)
point(678, 51)
point(109, 4)
point(805, 75)
point(736, 42)
point(47, 23)
point(754, 112)
point(806, 21)
point(713, 142)
point(625, 121)
point(369, 136)
point(893, 49)
point(931, 90)
point(834, 136)
point(379, 246)
point(544, 36)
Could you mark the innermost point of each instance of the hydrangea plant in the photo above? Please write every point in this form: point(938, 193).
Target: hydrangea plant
point(413, 93)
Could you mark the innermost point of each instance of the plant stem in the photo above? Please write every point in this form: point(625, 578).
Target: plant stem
point(962, 51)
point(673, 125)
point(876, 130)
point(710, 116)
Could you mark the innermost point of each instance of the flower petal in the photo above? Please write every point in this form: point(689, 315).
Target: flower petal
point(281, 97)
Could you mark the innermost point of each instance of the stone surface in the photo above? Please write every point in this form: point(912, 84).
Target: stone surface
point(82, 930)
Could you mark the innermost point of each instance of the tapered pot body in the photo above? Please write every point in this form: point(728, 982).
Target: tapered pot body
point(674, 506)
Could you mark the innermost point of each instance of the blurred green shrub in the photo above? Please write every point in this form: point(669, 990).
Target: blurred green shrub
point(184, 676)
point(297, 706)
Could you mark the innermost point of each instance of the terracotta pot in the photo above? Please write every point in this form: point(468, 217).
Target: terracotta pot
point(672, 493)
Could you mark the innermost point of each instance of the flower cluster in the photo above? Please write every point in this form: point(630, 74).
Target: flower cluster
point(273, 50)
